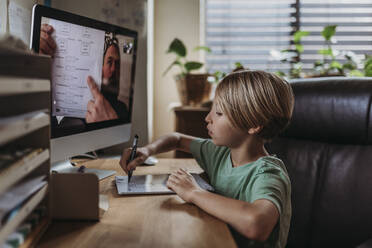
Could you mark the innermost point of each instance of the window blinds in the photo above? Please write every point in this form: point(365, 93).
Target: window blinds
point(247, 30)
point(353, 33)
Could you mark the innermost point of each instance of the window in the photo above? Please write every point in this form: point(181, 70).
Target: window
point(247, 30)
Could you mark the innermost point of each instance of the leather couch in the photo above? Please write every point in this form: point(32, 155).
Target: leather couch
point(327, 149)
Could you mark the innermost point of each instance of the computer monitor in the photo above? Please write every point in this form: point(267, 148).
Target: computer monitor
point(86, 118)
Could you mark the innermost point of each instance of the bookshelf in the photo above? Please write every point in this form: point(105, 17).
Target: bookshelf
point(24, 142)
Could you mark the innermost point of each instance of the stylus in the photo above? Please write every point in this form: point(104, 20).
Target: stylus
point(132, 155)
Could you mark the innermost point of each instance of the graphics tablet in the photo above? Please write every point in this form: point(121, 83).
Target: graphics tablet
point(151, 184)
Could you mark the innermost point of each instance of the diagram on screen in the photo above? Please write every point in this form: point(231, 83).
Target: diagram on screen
point(85, 48)
point(79, 54)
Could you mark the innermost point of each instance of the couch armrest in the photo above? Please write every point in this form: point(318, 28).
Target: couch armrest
point(366, 244)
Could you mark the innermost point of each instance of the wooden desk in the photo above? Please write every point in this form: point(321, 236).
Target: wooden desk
point(142, 221)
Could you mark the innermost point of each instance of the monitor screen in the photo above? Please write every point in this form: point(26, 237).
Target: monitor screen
point(93, 68)
point(106, 57)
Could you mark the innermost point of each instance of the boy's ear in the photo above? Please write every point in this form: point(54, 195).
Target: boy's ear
point(255, 130)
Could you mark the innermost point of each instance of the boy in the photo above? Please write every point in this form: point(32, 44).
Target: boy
point(253, 190)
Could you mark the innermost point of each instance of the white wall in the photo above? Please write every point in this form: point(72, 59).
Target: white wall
point(128, 15)
point(172, 18)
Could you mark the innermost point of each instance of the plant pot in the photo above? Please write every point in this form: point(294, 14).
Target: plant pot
point(193, 89)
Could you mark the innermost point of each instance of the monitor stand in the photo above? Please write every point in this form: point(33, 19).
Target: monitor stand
point(67, 167)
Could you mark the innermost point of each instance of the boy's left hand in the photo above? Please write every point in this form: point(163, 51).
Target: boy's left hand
point(183, 183)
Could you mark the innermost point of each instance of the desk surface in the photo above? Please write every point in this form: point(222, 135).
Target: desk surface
point(142, 221)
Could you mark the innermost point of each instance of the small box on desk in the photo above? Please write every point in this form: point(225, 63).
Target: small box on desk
point(74, 196)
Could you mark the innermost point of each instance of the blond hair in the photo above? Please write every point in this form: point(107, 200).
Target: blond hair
point(252, 99)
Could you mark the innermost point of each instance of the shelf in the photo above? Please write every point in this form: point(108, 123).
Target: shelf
point(25, 210)
point(36, 234)
point(25, 94)
point(18, 85)
point(16, 171)
point(20, 125)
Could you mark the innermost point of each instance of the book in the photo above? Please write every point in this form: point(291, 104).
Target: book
point(18, 194)
point(17, 168)
point(10, 156)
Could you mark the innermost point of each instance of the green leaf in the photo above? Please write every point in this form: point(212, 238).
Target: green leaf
point(329, 31)
point(216, 77)
point(176, 62)
point(318, 63)
point(368, 70)
point(177, 47)
point(299, 48)
point(325, 52)
point(349, 66)
point(192, 66)
point(369, 67)
point(219, 74)
point(367, 62)
point(356, 73)
point(280, 73)
point(368, 74)
point(203, 48)
point(238, 65)
point(298, 35)
point(298, 66)
point(336, 65)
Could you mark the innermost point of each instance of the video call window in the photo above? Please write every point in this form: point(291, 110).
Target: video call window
point(104, 56)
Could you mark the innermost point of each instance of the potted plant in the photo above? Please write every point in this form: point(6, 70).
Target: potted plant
point(328, 65)
point(292, 55)
point(193, 89)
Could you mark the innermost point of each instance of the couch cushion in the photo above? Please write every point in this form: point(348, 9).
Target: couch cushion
point(303, 160)
point(342, 215)
point(331, 192)
point(333, 110)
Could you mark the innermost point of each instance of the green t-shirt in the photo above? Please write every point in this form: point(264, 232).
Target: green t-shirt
point(265, 178)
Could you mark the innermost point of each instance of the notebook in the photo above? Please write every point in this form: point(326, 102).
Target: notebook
point(151, 184)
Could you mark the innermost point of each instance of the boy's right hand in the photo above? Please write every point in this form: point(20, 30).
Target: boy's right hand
point(141, 155)
point(47, 43)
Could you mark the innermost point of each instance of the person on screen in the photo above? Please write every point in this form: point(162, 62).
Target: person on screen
point(110, 85)
point(105, 105)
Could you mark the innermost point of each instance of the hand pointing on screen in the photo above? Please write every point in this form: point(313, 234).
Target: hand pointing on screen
point(98, 109)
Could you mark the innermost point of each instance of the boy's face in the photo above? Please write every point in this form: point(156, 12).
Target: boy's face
point(222, 131)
